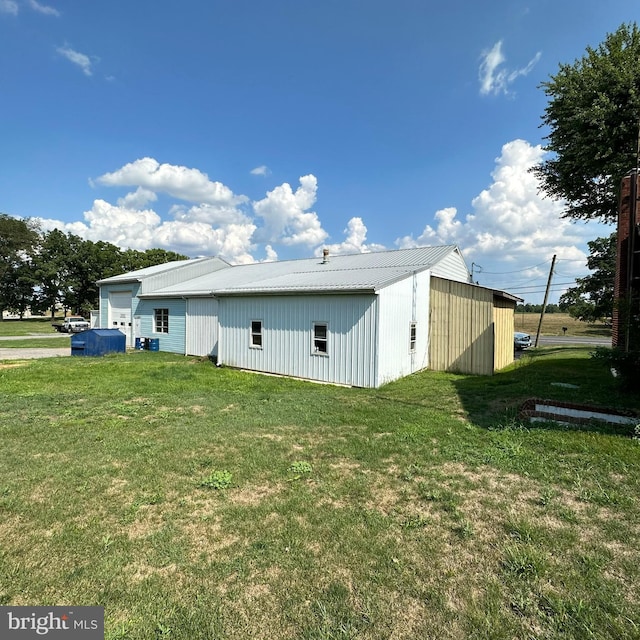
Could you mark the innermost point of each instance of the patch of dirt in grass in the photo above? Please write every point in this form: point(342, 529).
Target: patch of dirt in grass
point(253, 495)
point(206, 539)
point(138, 571)
point(346, 466)
point(13, 365)
point(270, 436)
point(117, 487)
point(149, 521)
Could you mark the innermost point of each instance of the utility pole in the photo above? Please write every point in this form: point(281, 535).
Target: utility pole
point(546, 297)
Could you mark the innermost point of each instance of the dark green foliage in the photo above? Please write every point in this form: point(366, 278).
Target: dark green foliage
point(592, 299)
point(592, 116)
point(18, 239)
point(40, 271)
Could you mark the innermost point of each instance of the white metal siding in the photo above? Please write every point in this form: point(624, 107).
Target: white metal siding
point(182, 272)
point(287, 323)
point(400, 304)
point(202, 327)
point(452, 267)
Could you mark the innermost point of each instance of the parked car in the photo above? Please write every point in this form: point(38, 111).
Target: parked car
point(72, 324)
point(521, 340)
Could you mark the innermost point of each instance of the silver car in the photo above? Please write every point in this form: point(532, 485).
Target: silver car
point(521, 340)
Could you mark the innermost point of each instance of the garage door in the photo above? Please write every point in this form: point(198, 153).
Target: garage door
point(120, 312)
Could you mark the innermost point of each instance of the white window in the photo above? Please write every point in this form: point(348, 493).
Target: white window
point(256, 334)
point(412, 337)
point(320, 338)
point(161, 320)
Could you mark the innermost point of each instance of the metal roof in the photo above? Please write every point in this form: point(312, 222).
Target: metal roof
point(141, 274)
point(365, 272)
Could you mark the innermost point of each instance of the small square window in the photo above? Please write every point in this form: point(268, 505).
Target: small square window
point(161, 320)
point(256, 334)
point(412, 337)
point(320, 338)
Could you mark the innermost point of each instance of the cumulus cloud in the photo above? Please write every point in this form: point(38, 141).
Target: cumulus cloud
point(286, 214)
point(79, 59)
point(143, 229)
point(181, 182)
point(9, 6)
point(356, 234)
point(494, 78)
point(44, 9)
point(512, 225)
point(262, 170)
point(137, 199)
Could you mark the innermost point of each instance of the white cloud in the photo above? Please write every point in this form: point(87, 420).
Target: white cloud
point(209, 213)
point(137, 199)
point(356, 234)
point(181, 182)
point(286, 216)
point(493, 78)
point(513, 226)
point(143, 229)
point(262, 170)
point(42, 8)
point(80, 59)
point(9, 6)
point(272, 255)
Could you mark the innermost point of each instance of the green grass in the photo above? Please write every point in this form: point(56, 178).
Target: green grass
point(553, 324)
point(36, 343)
point(199, 502)
point(32, 326)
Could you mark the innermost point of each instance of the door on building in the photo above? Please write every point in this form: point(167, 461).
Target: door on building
point(120, 313)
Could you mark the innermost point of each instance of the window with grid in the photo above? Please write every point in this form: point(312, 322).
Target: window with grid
point(256, 334)
point(320, 338)
point(161, 320)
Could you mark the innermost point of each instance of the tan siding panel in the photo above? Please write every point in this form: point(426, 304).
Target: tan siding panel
point(503, 318)
point(462, 331)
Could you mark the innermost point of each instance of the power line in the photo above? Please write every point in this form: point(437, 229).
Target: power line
point(542, 286)
point(504, 273)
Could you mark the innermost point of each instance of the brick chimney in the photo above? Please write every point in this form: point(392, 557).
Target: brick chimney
point(627, 271)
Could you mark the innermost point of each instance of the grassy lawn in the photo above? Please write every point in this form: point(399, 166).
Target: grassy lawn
point(203, 503)
point(30, 327)
point(553, 323)
point(36, 343)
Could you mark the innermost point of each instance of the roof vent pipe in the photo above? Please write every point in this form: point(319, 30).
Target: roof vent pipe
point(325, 255)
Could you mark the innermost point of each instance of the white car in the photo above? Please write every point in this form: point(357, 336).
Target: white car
point(521, 340)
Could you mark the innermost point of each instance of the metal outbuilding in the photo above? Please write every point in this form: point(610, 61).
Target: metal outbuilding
point(98, 342)
point(362, 319)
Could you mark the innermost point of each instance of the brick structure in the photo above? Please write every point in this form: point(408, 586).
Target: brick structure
point(626, 291)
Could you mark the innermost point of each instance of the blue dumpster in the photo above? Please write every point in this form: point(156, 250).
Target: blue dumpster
point(98, 342)
point(154, 344)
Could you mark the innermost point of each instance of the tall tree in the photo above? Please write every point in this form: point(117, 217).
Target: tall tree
point(592, 297)
point(52, 265)
point(592, 115)
point(18, 241)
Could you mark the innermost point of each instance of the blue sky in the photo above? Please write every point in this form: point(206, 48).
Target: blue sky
point(261, 130)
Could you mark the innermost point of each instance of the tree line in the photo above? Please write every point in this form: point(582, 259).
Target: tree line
point(41, 271)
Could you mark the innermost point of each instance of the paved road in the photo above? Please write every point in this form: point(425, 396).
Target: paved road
point(25, 353)
point(549, 340)
point(30, 354)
